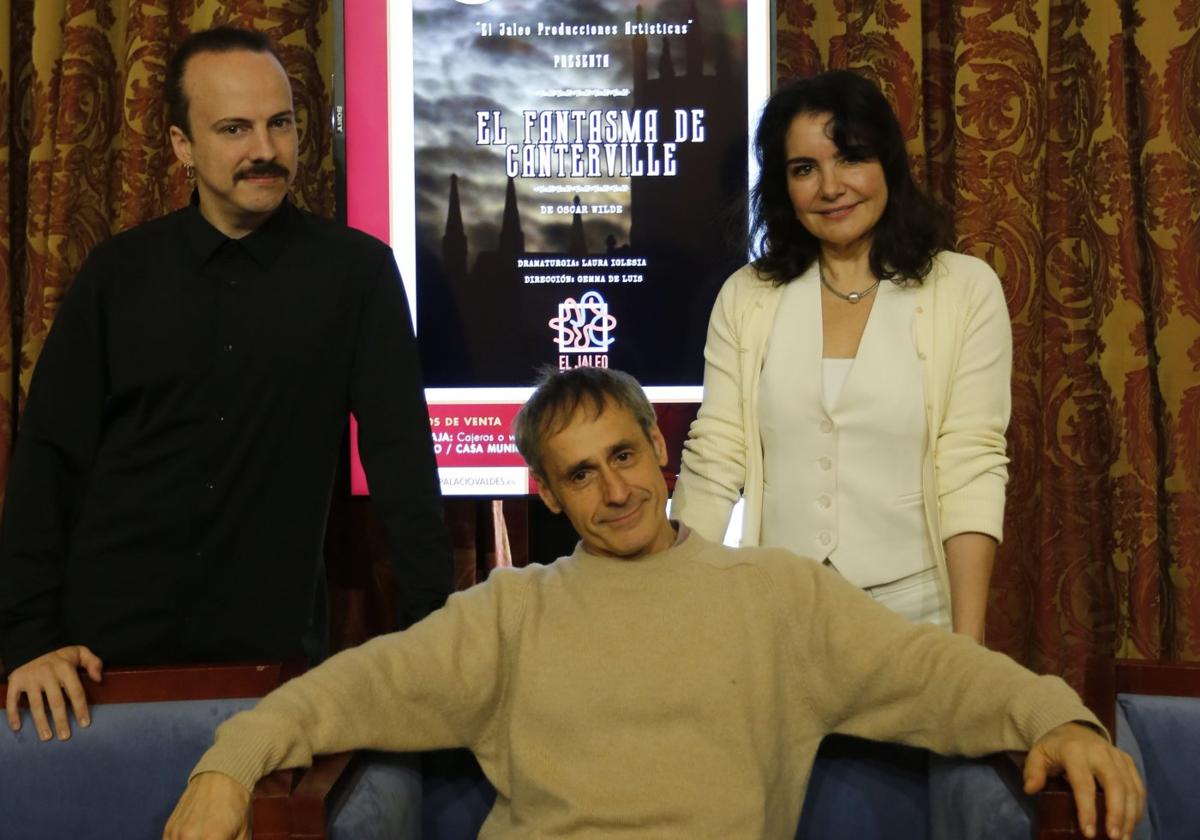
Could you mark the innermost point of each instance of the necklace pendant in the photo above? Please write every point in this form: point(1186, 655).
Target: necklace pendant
point(854, 297)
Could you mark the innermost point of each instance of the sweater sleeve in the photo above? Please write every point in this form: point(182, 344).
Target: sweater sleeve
point(397, 449)
point(55, 451)
point(713, 468)
point(970, 452)
point(439, 684)
point(868, 672)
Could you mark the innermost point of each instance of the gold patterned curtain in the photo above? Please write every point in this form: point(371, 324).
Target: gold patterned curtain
point(83, 141)
point(1065, 134)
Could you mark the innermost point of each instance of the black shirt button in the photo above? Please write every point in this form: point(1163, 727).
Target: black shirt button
point(208, 485)
point(228, 348)
point(220, 418)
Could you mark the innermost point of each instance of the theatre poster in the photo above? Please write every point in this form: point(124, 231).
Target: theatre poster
point(568, 187)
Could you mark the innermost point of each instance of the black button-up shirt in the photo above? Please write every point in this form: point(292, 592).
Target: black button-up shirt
point(169, 490)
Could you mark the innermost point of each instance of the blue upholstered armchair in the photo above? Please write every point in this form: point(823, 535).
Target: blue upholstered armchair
point(121, 777)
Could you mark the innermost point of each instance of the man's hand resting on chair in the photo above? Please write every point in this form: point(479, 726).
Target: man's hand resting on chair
point(1086, 757)
point(52, 679)
point(214, 807)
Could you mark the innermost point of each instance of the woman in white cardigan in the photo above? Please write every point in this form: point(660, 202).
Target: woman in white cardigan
point(856, 385)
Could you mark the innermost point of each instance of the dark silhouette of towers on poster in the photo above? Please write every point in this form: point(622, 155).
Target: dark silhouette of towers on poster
point(480, 325)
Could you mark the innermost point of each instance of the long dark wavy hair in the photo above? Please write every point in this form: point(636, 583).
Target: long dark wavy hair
point(912, 228)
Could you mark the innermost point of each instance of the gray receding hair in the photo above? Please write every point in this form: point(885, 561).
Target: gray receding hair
point(560, 394)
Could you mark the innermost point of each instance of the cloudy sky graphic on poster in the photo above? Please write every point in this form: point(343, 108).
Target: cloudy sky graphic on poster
point(458, 73)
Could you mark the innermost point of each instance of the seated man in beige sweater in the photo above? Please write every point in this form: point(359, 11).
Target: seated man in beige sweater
point(652, 684)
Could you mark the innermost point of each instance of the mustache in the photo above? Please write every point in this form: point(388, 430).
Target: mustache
point(259, 170)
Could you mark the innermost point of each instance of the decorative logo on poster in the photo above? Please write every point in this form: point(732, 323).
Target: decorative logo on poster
point(584, 330)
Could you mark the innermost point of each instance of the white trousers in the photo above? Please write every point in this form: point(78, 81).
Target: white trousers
point(918, 597)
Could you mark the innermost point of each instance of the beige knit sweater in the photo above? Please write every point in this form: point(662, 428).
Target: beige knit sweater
point(678, 696)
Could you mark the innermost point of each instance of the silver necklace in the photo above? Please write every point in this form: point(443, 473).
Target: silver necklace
point(852, 297)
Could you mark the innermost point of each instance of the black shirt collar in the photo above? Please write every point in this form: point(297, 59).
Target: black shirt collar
point(264, 245)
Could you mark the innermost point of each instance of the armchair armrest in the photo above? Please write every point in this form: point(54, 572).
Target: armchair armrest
point(294, 804)
point(1053, 810)
point(269, 806)
point(1104, 681)
point(1056, 812)
point(344, 796)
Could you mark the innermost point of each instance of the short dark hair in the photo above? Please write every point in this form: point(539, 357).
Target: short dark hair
point(912, 229)
point(559, 394)
point(219, 39)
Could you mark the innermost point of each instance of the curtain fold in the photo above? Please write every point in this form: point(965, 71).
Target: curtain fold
point(1065, 135)
point(10, 215)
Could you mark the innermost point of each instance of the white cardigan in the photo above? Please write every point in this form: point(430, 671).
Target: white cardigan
point(963, 337)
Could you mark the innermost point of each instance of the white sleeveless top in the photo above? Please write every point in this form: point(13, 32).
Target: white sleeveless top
point(842, 467)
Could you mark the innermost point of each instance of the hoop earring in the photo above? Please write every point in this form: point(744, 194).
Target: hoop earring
point(189, 171)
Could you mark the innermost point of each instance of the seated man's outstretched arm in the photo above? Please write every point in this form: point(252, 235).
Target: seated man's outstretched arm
point(884, 678)
point(433, 686)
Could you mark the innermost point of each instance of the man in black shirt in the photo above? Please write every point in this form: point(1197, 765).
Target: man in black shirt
point(168, 495)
